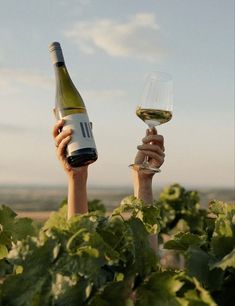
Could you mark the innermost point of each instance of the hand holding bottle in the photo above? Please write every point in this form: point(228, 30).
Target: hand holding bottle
point(61, 141)
point(81, 150)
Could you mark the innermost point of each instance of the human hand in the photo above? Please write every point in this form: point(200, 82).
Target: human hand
point(62, 138)
point(153, 148)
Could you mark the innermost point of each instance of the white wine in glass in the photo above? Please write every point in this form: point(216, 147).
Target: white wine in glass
point(155, 108)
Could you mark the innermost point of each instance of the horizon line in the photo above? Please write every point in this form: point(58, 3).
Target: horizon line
point(109, 186)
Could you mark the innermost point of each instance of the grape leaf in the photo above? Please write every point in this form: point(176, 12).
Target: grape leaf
point(197, 265)
point(226, 262)
point(160, 289)
point(74, 295)
point(182, 241)
point(223, 238)
point(3, 251)
point(34, 283)
point(145, 260)
point(57, 220)
point(95, 205)
point(13, 229)
point(129, 204)
point(199, 296)
point(115, 294)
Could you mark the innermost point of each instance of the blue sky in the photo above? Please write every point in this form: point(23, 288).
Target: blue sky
point(109, 47)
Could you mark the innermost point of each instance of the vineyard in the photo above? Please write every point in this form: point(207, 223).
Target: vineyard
point(97, 259)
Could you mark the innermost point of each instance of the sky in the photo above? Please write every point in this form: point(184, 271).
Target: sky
point(109, 47)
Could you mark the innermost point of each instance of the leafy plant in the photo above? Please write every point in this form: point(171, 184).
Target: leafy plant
point(211, 257)
point(99, 260)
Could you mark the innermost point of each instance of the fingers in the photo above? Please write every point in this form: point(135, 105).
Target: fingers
point(153, 148)
point(154, 156)
point(153, 138)
point(62, 146)
point(56, 130)
point(152, 151)
point(60, 137)
point(156, 138)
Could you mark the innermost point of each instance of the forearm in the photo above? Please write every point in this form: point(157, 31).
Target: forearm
point(143, 188)
point(77, 195)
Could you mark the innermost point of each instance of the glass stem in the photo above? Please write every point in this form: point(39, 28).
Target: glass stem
point(146, 159)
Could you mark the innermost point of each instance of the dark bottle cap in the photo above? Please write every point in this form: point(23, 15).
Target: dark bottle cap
point(56, 53)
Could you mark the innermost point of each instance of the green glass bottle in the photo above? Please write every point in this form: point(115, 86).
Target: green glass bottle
point(69, 106)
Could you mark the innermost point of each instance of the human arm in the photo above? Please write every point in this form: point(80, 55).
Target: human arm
point(77, 177)
point(77, 194)
point(153, 147)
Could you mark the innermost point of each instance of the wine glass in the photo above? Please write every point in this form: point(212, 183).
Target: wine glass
point(156, 107)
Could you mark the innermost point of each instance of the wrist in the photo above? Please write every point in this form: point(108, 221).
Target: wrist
point(143, 187)
point(77, 193)
point(79, 176)
point(142, 178)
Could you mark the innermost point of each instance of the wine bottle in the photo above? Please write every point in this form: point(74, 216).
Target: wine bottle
point(81, 149)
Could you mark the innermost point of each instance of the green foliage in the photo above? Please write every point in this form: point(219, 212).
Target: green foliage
point(96, 204)
point(228, 261)
point(223, 237)
point(178, 208)
point(210, 256)
point(12, 229)
point(96, 260)
point(182, 241)
point(172, 289)
point(148, 214)
point(33, 285)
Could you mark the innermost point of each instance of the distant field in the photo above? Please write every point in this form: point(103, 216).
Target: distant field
point(35, 215)
point(49, 198)
point(37, 202)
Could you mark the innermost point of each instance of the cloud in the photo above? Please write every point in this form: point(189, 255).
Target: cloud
point(12, 80)
point(139, 37)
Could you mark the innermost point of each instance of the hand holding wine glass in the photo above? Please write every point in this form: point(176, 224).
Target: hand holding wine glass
point(155, 109)
point(153, 147)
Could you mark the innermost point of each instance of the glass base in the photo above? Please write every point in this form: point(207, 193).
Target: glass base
point(146, 167)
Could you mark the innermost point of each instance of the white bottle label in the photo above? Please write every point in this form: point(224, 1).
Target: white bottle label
point(82, 136)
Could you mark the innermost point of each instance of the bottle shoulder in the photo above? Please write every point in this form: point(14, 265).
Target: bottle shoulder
point(63, 112)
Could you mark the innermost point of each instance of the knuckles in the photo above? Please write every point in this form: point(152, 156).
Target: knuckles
point(149, 138)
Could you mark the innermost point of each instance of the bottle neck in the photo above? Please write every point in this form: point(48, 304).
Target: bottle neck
point(56, 54)
point(67, 91)
point(59, 64)
point(68, 99)
point(62, 76)
point(57, 59)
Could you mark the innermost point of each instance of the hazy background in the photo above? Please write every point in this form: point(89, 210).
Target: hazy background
point(109, 46)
